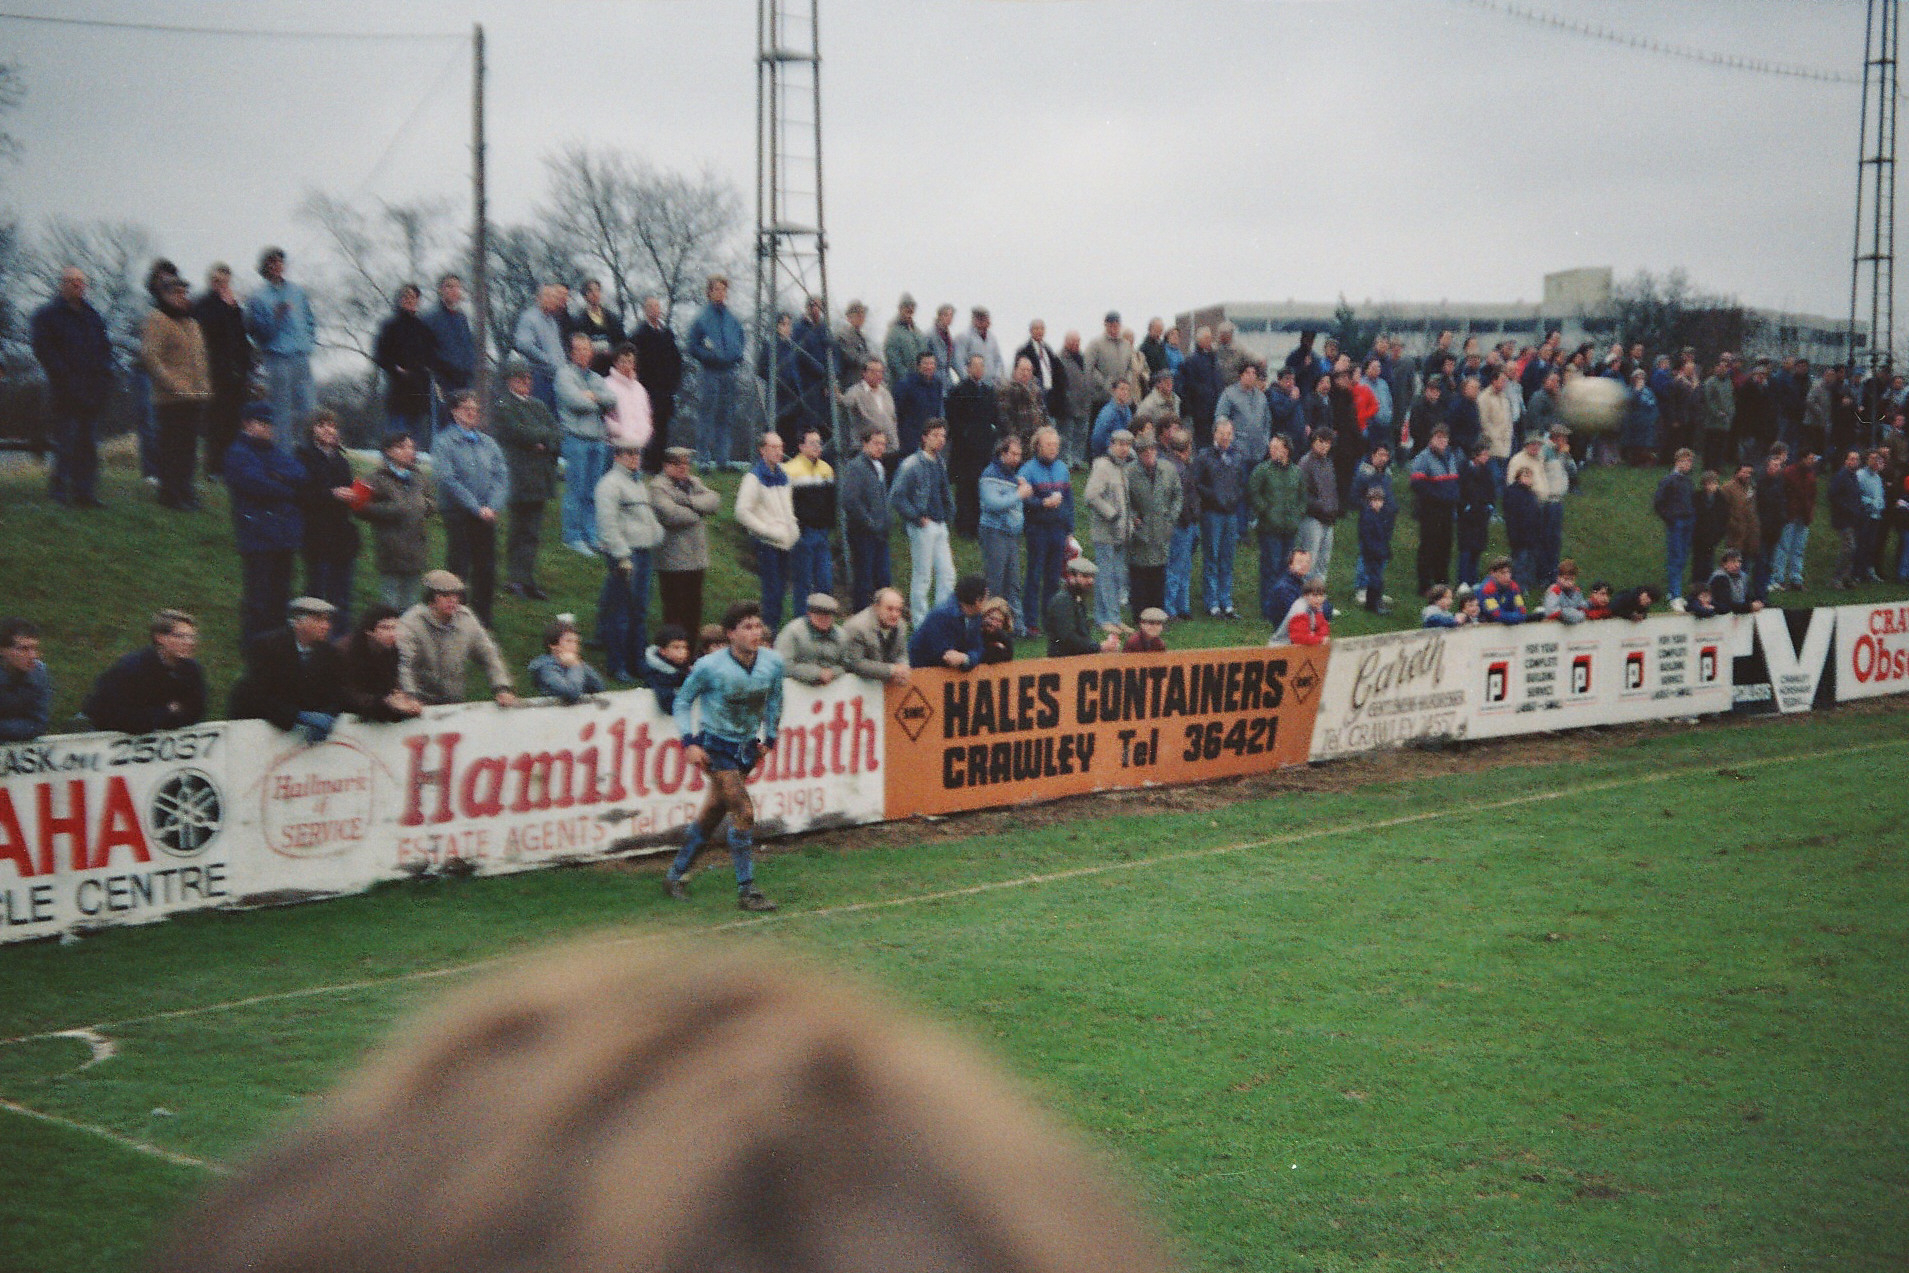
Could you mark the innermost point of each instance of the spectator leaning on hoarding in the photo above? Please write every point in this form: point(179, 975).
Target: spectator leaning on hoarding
point(1070, 628)
point(294, 676)
point(877, 639)
point(159, 687)
point(371, 669)
point(666, 664)
point(26, 690)
point(560, 671)
point(950, 635)
point(812, 647)
point(438, 638)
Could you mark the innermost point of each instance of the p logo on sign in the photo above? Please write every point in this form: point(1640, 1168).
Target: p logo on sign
point(1634, 670)
point(1581, 675)
point(1707, 665)
point(1497, 682)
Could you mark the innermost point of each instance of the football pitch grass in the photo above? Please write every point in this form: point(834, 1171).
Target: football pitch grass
point(1641, 1009)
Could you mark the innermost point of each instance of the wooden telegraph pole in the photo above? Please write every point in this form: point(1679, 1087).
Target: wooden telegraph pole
point(480, 230)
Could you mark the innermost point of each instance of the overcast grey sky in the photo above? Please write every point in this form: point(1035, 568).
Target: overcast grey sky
point(1053, 157)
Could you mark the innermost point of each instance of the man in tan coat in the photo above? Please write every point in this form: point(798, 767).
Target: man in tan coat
point(877, 639)
point(682, 504)
point(438, 638)
point(1742, 531)
point(173, 351)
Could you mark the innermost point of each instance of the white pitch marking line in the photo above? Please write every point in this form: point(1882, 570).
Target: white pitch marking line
point(1024, 881)
point(104, 1049)
point(126, 1142)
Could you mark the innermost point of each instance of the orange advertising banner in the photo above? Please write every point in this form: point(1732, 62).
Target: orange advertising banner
point(1036, 730)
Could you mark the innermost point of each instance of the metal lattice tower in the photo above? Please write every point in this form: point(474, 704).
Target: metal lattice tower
point(1872, 270)
point(791, 241)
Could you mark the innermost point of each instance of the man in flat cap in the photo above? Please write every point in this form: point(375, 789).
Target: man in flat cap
point(811, 646)
point(1070, 630)
point(438, 638)
point(294, 676)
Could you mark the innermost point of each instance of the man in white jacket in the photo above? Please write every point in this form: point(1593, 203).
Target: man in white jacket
point(765, 505)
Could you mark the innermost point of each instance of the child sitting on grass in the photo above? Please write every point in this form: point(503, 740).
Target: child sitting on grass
point(1598, 606)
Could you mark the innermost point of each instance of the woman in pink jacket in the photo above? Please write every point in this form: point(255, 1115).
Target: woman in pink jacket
point(629, 424)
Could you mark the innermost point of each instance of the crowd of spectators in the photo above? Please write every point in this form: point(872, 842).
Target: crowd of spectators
point(1185, 452)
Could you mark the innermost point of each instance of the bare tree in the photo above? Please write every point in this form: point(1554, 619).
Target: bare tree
point(1668, 313)
point(691, 227)
point(13, 91)
point(650, 230)
point(369, 253)
point(13, 297)
point(589, 215)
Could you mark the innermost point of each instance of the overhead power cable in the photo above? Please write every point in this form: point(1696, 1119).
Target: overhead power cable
point(391, 148)
point(1644, 44)
point(244, 33)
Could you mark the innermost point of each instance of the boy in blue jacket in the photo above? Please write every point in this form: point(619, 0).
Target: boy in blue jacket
point(1375, 545)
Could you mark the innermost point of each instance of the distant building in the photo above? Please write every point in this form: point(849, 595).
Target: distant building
point(1576, 302)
